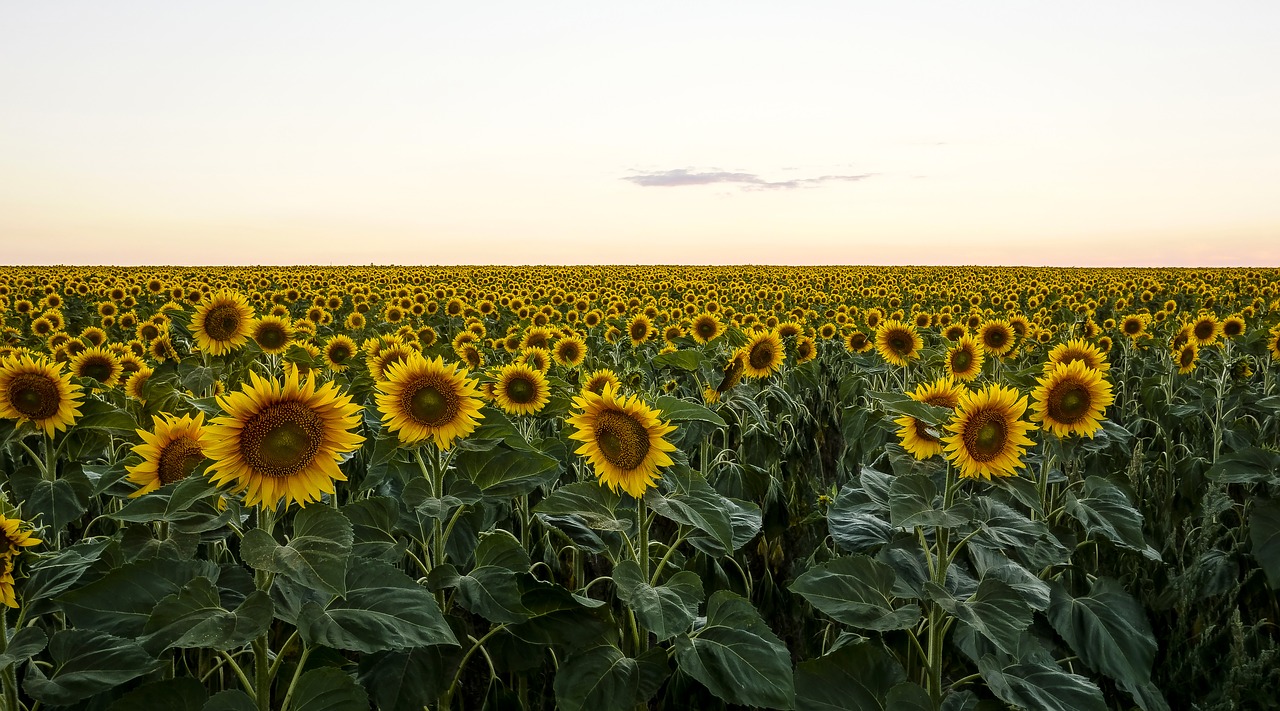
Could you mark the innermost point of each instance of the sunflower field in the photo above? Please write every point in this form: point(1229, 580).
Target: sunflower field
point(616, 488)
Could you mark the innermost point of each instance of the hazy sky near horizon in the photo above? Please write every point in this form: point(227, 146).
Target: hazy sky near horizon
point(1086, 133)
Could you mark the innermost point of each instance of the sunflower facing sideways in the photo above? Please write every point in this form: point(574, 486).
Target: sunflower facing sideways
point(169, 454)
point(426, 399)
point(15, 534)
point(622, 438)
point(916, 436)
point(898, 343)
point(281, 441)
point(1070, 400)
point(762, 356)
point(521, 390)
point(222, 322)
point(38, 390)
point(964, 360)
point(989, 437)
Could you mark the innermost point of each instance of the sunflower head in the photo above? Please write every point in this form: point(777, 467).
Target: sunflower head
point(762, 356)
point(988, 435)
point(135, 385)
point(965, 358)
point(272, 334)
point(997, 337)
point(521, 390)
point(1070, 399)
point(427, 399)
point(1077, 349)
point(38, 390)
point(570, 351)
point(623, 438)
point(1205, 330)
point(806, 349)
point(920, 438)
point(534, 357)
point(1186, 357)
point(1233, 326)
point(705, 328)
point(596, 382)
point(338, 352)
point(222, 323)
point(98, 364)
point(858, 342)
point(169, 454)
point(897, 342)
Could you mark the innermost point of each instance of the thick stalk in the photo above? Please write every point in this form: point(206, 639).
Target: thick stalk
point(10, 673)
point(642, 518)
point(937, 616)
point(262, 645)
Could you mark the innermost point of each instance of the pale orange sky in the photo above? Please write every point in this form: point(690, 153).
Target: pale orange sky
point(1089, 133)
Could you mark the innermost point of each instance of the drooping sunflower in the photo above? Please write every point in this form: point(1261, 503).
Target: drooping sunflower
point(15, 534)
point(965, 358)
point(806, 350)
point(98, 364)
point(272, 334)
point(169, 454)
point(623, 438)
point(1077, 349)
point(570, 351)
point(338, 352)
point(597, 381)
point(1205, 330)
point(762, 356)
point(135, 385)
point(38, 390)
point(521, 390)
point(897, 342)
point(997, 337)
point(222, 322)
point(1070, 400)
point(1273, 344)
point(920, 438)
point(428, 399)
point(281, 440)
point(989, 437)
point(1185, 358)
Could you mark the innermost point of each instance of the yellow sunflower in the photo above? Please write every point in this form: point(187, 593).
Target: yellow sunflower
point(622, 438)
point(534, 357)
point(997, 337)
point(964, 359)
point(39, 391)
point(989, 435)
point(858, 342)
point(920, 438)
point(426, 399)
point(806, 349)
point(570, 351)
point(222, 322)
point(705, 328)
point(1134, 326)
point(1186, 357)
point(1077, 349)
point(338, 352)
point(1273, 344)
point(98, 364)
point(639, 329)
point(135, 385)
point(15, 534)
point(169, 454)
point(281, 441)
point(762, 356)
point(272, 334)
point(1070, 399)
point(521, 390)
point(596, 382)
point(391, 354)
point(1233, 326)
point(897, 342)
point(1205, 330)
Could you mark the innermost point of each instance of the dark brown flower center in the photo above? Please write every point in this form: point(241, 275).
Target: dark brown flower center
point(1186, 357)
point(521, 391)
point(621, 439)
point(179, 458)
point(431, 401)
point(985, 435)
point(1069, 402)
point(271, 337)
point(34, 396)
point(961, 360)
point(98, 367)
point(761, 356)
point(339, 353)
point(222, 322)
point(1204, 330)
point(282, 439)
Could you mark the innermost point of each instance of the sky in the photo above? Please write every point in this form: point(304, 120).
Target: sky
point(978, 132)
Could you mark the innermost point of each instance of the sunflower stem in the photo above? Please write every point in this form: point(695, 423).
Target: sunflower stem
point(297, 674)
point(642, 518)
point(10, 671)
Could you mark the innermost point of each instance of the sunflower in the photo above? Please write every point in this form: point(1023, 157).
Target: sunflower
point(389, 355)
point(1077, 349)
point(1205, 330)
point(98, 364)
point(596, 382)
point(169, 454)
point(964, 359)
point(222, 322)
point(281, 441)
point(639, 330)
point(338, 351)
point(521, 390)
point(897, 342)
point(1233, 326)
point(1185, 357)
point(920, 438)
point(1273, 343)
point(570, 351)
point(136, 383)
point(997, 337)
point(272, 334)
point(39, 391)
point(1134, 326)
point(534, 357)
point(806, 350)
point(622, 438)
point(989, 435)
point(858, 342)
point(426, 399)
point(15, 534)
point(1070, 399)
point(762, 356)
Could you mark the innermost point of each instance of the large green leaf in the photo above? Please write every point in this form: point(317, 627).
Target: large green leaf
point(598, 679)
point(1104, 510)
point(912, 503)
point(194, 618)
point(316, 556)
point(86, 662)
point(1108, 630)
point(52, 503)
point(744, 518)
point(995, 611)
point(677, 410)
point(666, 610)
point(406, 679)
point(855, 676)
point(230, 700)
point(737, 657)
point(679, 360)
point(693, 502)
point(383, 610)
point(23, 645)
point(121, 601)
point(100, 415)
point(1248, 466)
point(328, 689)
point(1005, 529)
point(1264, 535)
point(594, 503)
point(172, 502)
point(1040, 686)
point(183, 693)
point(504, 473)
point(55, 573)
point(857, 591)
point(857, 520)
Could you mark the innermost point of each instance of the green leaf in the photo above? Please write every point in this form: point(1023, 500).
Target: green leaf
point(995, 611)
point(1248, 466)
point(384, 609)
point(23, 645)
point(1264, 535)
point(1033, 590)
point(855, 676)
point(737, 657)
point(676, 410)
point(679, 360)
point(911, 504)
point(745, 519)
point(232, 700)
point(172, 502)
point(53, 574)
point(53, 503)
point(1107, 629)
point(100, 415)
point(504, 473)
point(908, 697)
point(857, 521)
point(183, 693)
point(901, 404)
point(86, 662)
point(857, 591)
point(1104, 510)
point(121, 601)
point(598, 679)
point(693, 502)
point(1040, 686)
point(406, 680)
point(594, 503)
point(1005, 529)
point(194, 618)
point(328, 689)
point(666, 610)
point(316, 555)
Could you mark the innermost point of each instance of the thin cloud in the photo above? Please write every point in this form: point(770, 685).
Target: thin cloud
point(680, 177)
